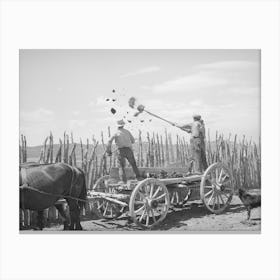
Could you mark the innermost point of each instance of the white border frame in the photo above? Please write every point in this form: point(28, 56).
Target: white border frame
point(155, 24)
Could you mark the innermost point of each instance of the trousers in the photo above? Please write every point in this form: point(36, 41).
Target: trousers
point(123, 154)
point(196, 153)
point(203, 154)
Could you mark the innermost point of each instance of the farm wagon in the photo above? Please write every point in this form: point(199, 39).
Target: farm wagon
point(147, 202)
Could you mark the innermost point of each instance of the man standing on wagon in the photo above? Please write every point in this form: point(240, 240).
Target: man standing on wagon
point(123, 140)
point(197, 143)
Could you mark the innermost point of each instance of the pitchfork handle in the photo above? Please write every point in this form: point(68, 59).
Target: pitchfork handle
point(156, 116)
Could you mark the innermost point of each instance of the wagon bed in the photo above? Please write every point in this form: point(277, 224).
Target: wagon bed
point(149, 200)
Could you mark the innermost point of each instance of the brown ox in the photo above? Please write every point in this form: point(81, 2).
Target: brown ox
point(41, 186)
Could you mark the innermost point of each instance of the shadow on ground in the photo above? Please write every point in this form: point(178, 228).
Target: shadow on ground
point(178, 217)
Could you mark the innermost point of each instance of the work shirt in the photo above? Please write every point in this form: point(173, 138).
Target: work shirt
point(123, 138)
point(194, 127)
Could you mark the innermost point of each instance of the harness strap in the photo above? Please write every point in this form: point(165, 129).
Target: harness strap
point(72, 180)
point(23, 174)
point(50, 194)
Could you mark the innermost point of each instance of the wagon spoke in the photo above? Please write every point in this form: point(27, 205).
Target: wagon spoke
point(213, 177)
point(139, 209)
point(177, 197)
point(142, 216)
point(148, 189)
point(172, 198)
point(100, 205)
point(218, 200)
point(105, 210)
point(208, 187)
point(139, 202)
point(214, 202)
point(155, 211)
point(152, 189)
point(144, 189)
point(209, 193)
point(156, 192)
point(153, 215)
point(217, 175)
point(224, 178)
point(148, 217)
point(160, 197)
point(225, 194)
point(221, 198)
point(220, 176)
point(212, 196)
point(142, 195)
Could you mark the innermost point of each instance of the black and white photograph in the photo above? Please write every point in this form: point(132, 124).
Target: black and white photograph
point(140, 140)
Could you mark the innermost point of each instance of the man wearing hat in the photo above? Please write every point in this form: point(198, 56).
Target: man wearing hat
point(123, 140)
point(197, 131)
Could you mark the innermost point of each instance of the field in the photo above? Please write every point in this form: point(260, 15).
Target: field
point(243, 157)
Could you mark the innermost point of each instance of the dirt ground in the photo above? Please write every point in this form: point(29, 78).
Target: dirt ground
point(194, 217)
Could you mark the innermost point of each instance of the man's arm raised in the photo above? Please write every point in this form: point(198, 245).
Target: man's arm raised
point(109, 145)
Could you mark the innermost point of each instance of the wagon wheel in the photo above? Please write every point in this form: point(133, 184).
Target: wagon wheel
point(216, 187)
point(149, 203)
point(106, 209)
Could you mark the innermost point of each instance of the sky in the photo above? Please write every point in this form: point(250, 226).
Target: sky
point(73, 91)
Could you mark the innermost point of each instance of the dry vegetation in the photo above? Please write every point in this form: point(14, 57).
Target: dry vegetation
point(153, 150)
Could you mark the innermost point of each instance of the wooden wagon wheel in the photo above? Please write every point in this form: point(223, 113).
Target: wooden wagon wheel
point(106, 209)
point(149, 203)
point(216, 187)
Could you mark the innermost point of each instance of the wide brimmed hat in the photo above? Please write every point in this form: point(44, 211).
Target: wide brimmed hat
point(197, 116)
point(120, 123)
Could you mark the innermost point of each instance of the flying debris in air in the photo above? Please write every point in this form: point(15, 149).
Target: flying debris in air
point(107, 99)
point(113, 111)
point(142, 121)
point(129, 121)
point(131, 102)
point(113, 90)
point(113, 100)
